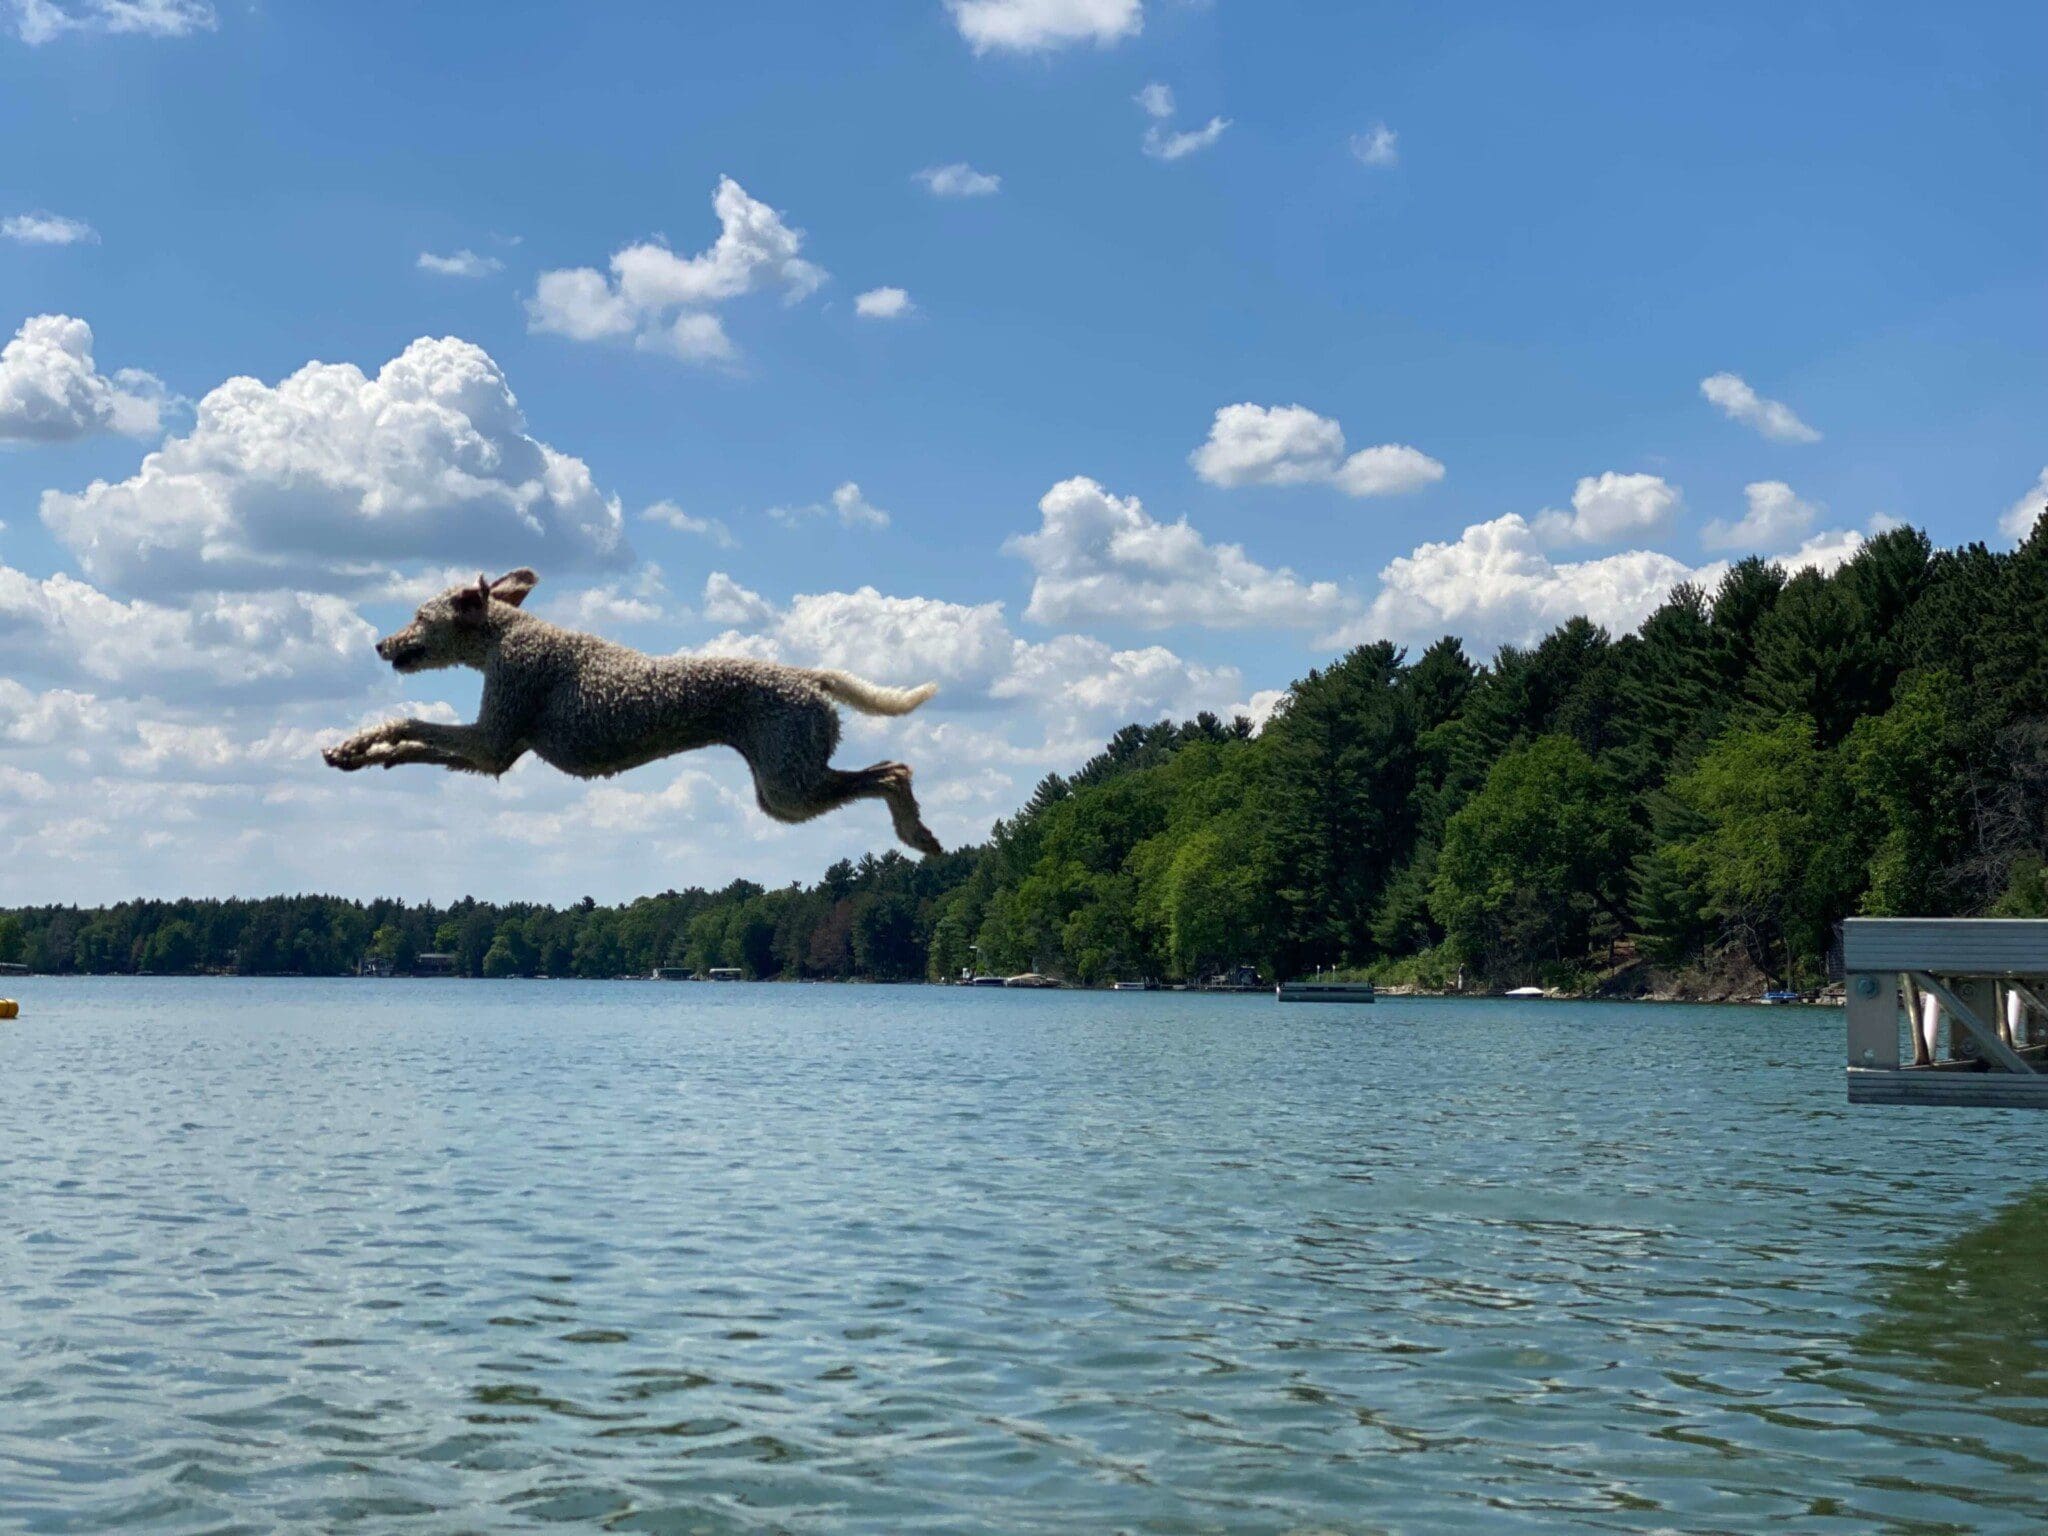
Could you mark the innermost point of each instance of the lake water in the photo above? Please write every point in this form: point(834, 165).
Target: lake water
point(478, 1256)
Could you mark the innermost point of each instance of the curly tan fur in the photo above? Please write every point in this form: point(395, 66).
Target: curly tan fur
point(592, 708)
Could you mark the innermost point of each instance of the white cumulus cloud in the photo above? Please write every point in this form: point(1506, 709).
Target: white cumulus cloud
point(43, 228)
point(894, 640)
point(331, 479)
point(1495, 583)
point(1610, 507)
point(51, 391)
point(1034, 26)
point(42, 21)
point(1291, 445)
point(959, 180)
point(665, 300)
point(669, 515)
point(1100, 557)
point(67, 631)
point(1824, 552)
point(464, 263)
point(1776, 519)
point(2018, 519)
point(1156, 100)
point(849, 506)
point(727, 602)
point(1738, 402)
point(883, 304)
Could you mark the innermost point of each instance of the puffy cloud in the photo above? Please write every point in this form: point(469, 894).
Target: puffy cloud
point(22, 784)
point(727, 602)
point(1034, 26)
point(669, 515)
point(1776, 518)
point(1156, 100)
point(260, 643)
point(1075, 684)
point(579, 303)
point(691, 796)
point(1612, 506)
point(2018, 519)
point(959, 180)
point(641, 599)
point(60, 715)
point(1083, 683)
point(883, 304)
point(1738, 402)
point(1494, 583)
point(848, 505)
point(51, 391)
point(1824, 552)
point(464, 263)
point(900, 641)
point(1103, 558)
point(692, 336)
point(41, 21)
point(1291, 445)
point(43, 228)
point(1260, 707)
point(1376, 147)
point(663, 299)
point(331, 479)
point(1161, 144)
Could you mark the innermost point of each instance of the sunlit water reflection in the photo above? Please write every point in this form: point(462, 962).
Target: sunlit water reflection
point(452, 1256)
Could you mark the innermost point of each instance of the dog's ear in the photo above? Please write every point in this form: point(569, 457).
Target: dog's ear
point(471, 601)
point(513, 586)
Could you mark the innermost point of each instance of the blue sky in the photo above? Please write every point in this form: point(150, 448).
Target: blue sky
point(1469, 271)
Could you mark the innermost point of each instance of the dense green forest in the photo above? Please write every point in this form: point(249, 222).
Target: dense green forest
point(1707, 796)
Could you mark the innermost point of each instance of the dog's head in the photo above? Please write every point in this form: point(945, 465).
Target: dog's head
point(451, 630)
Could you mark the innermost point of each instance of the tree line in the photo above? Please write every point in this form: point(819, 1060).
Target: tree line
point(1707, 796)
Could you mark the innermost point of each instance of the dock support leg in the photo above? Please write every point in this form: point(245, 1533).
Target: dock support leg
point(1873, 1008)
point(1964, 1018)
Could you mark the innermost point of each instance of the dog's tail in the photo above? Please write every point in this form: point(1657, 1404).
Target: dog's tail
point(872, 698)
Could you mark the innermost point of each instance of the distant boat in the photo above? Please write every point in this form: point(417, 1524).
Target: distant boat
point(726, 973)
point(1134, 986)
point(1324, 992)
point(1779, 995)
point(986, 981)
point(1525, 992)
point(1029, 979)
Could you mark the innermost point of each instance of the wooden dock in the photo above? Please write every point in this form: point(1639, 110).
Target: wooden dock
point(1947, 1010)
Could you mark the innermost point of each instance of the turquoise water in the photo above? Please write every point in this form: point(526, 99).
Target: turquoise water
point(475, 1256)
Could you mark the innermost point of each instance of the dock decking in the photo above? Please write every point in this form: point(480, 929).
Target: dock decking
point(1967, 998)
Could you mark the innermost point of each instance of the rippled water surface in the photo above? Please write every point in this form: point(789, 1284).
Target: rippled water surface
point(455, 1256)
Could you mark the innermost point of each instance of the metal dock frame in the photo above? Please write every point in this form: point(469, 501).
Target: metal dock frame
point(1967, 971)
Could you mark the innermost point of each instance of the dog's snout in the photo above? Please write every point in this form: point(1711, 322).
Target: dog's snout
point(384, 646)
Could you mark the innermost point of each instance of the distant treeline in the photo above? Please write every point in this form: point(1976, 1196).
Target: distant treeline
point(1718, 788)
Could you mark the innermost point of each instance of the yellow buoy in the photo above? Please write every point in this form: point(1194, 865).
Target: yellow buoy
point(9, 1008)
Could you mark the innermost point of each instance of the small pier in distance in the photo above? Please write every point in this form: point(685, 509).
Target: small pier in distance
point(1947, 1010)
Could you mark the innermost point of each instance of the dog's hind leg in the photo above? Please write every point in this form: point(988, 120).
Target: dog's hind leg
point(893, 780)
point(834, 787)
point(790, 753)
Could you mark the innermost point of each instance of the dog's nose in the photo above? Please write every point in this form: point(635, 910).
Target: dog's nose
point(384, 647)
